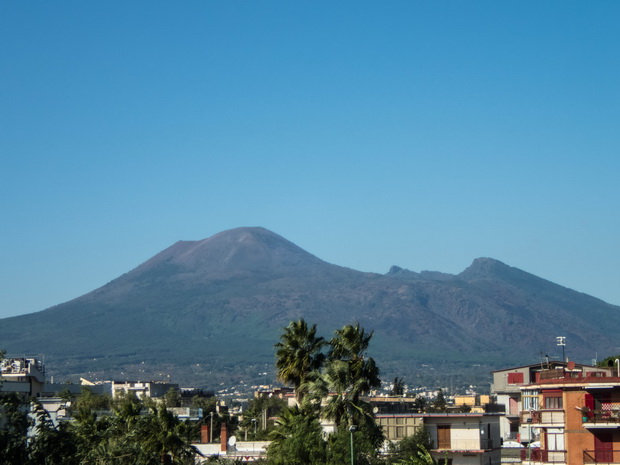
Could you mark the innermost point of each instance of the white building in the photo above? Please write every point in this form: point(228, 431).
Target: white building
point(461, 438)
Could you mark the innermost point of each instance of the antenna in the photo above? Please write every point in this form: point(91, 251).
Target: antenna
point(561, 341)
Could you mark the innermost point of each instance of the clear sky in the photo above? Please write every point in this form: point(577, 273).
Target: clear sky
point(414, 133)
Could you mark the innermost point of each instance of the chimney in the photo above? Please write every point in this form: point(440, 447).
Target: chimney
point(223, 438)
point(204, 434)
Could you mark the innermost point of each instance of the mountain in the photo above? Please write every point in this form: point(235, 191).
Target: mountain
point(210, 311)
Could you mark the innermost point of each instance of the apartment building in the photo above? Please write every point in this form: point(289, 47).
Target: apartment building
point(507, 388)
point(24, 375)
point(572, 416)
point(461, 438)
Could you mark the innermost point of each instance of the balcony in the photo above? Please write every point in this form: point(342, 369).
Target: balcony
point(543, 417)
point(601, 419)
point(543, 456)
point(473, 444)
point(601, 456)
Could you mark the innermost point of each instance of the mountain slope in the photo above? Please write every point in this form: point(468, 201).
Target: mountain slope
point(211, 310)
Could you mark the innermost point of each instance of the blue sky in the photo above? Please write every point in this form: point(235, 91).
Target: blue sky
point(418, 134)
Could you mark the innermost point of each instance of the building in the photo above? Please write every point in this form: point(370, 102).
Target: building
point(573, 416)
point(395, 404)
point(507, 384)
point(24, 375)
point(461, 438)
point(399, 426)
point(142, 389)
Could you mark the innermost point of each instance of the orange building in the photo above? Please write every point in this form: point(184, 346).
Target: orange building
point(573, 416)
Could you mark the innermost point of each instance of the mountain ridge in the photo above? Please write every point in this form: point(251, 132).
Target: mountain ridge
point(218, 305)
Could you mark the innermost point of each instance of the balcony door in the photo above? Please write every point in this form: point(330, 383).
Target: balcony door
point(443, 437)
point(603, 447)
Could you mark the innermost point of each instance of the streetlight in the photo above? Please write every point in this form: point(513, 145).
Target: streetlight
point(211, 428)
point(529, 434)
point(352, 429)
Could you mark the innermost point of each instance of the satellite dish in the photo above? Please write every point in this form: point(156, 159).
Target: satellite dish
point(571, 365)
point(375, 410)
point(232, 441)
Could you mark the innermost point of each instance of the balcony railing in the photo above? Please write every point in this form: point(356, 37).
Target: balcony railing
point(601, 416)
point(467, 444)
point(601, 456)
point(547, 417)
point(543, 456)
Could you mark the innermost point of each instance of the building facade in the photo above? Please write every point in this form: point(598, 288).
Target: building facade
point(461, 438)
point(507, 388)
point(572, 416)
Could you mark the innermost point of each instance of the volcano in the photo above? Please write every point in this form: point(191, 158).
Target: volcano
point(210, 311)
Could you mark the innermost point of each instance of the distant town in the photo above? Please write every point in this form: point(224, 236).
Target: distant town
point(552, 412)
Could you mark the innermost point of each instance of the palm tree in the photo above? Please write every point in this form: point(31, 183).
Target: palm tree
point(347, 376)
point(398, 387)
point(423, 457)
point(350, 345)
point(298, 354)
point(165, 436)
point(297, 438)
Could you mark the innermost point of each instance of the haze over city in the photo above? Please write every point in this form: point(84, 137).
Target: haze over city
point(416, 134)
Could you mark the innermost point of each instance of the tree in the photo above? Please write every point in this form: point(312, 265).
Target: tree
point(349, 343)
point(350, 374)
point(398, 387)
point(14, 434)
point(332, 389)
point(53, 444)
point(412, 445)
point(365, 446)
point(138, 432)
point(420, 404)
point(89, 429)
point(166, 437)
point(439, 404)
point(421, 457)
point(608, 362)
point(172, 398)
point(297, 439)
point(298, 354)
point(259, 408)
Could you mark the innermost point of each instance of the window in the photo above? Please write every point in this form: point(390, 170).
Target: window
point(552, 399)
point(555, 439)
point(553, 402)
point(529, 399)
point(400, 432)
